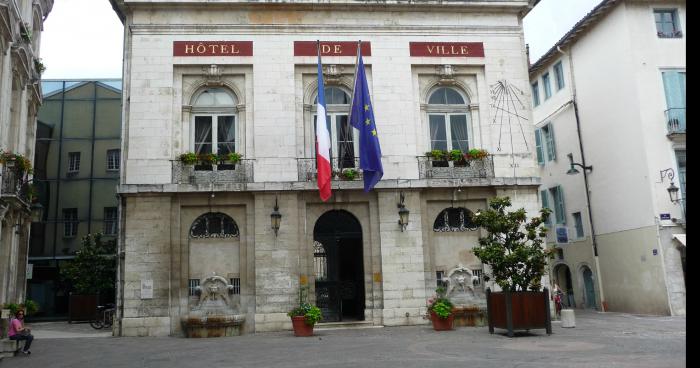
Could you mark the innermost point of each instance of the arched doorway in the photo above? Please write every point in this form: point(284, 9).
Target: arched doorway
point(563, 278)
point(588, 288)
point(338, 267)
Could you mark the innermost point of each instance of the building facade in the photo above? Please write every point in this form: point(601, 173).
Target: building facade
point(21, 23)
point(76, 174)
point(241, 76)
point(621, 239)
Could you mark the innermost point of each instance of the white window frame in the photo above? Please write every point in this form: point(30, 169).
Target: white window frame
point(535, 88)
point(73, 162)
point(333, 112)
point(113, 163)
point(545, 144)
point(675, 22)
point(110, 224)
point(448, 111)
point(559, 75)
point(546, 84)
point(215, 112)
point(70, 224)
point(582, 233)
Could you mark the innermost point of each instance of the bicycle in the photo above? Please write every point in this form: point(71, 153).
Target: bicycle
point(104, 316)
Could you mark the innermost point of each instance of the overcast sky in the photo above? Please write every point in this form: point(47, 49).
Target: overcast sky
point(84, 38)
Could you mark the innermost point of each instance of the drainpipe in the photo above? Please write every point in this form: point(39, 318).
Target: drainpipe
point(594, 239)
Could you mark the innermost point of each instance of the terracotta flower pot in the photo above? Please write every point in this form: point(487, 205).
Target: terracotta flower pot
point(440, 324)
point(301, 328)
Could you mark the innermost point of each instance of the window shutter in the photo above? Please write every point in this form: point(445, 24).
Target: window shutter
point(538, 144)
point(551, 148)
point(561, 210)
point(545, 203)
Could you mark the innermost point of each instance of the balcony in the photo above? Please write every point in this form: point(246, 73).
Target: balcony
point(432, 169)
point(241, 172)
point(345, 169)
point(14, 184)
point(675, 121)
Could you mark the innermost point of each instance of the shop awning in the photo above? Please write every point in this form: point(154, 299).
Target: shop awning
point(680, 238)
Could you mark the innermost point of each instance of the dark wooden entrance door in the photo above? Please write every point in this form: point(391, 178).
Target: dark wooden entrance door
point(339, 268)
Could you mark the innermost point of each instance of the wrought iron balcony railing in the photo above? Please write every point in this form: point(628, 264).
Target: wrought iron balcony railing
point(241, 172)
point(432, 169)
point(343, 169)
point(14, 183)
point(675, 120)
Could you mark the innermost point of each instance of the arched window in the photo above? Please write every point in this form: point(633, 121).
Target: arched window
point(344, 138)
point(448, 120)
point(214, 225)
point(214, 121)
point(454, 219)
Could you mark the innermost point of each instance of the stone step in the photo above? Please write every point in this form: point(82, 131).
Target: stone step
point(8, 348)
point(345, 325)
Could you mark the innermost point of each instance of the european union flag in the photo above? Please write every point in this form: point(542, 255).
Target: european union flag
point(362, 118)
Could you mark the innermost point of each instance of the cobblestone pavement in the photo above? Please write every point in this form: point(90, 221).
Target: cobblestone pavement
point(598, 340)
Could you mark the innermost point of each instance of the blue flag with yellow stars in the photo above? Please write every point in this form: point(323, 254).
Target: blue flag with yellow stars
point(362, 118)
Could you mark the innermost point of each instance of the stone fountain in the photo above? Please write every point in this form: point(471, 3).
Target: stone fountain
point(215, 315)
point(469, 301)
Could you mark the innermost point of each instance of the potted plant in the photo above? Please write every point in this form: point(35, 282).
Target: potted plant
point(348, 174)
point(513, 249)
point(441, 310)
point(234, 157)
point(475, 154)
point(457, 156)
point(304, 316)
point(188, 158)
point(439, 157)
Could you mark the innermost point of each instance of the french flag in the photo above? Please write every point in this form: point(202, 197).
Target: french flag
point(323, 139)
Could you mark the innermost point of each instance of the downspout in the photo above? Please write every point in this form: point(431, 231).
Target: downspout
point(594, 240)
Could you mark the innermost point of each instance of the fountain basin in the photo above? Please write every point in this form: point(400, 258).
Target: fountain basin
point(212, 325)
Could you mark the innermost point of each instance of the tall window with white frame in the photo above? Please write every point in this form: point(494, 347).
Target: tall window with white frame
point(214, 128)
point(667, 24)
point(559, 75)
point(557, 195)
point(535, 94)
point(448, 120)
point(578, 224)
point(70, 222)
point(547, 86)
point(113, 160)
point(675, 92)
point(344, 138)
point(544, 144)
point(110, 221)
point(73, 163)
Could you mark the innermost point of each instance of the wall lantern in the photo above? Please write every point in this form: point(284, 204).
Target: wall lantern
point(672, 189)
point(275, 218)
point(572, 170)
point(403, 213)
point(37, 213)
point(673, 193)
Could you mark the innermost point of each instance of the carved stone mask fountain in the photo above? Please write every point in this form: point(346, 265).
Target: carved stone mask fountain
point(215, 314)
point(469, 301)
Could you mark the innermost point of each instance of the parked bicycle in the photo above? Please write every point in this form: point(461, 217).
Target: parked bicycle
point(104, 316)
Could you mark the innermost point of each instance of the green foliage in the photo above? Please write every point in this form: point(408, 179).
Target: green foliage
point(208, 158)
point(349, 174)
point(310, 312)
point(188, 158)
point(517, 258)
point(436, 154)
point(456, 155)
point(476, 154)
point(30, 307)
point(39, 65)
point(94, 268)
point(234, 157)
point(20, 162)
point(440, 304)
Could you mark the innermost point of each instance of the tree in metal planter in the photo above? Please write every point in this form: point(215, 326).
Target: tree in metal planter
point(513, 248)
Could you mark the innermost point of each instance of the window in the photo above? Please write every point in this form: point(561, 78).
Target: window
point(680, 159)
point(558, 198)
point(70, 222)
point(73, 162)
point(578, 222)
point(439, 277)
point(544, 143)
point(214, 225)
point(535, 94)
point(547, 86)
point(544, 195)
point(320, 262)
point(454, 219)
point(110, 220)
point(113, 160)
point(674, 88)
point(236, 283)
point(214, 122)
point(479, 277)
point(667, 23)
point(192, 286)
point(344, 138)
point(448, 120)
point(559, 75)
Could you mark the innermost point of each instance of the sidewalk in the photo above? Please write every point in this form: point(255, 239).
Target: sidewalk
point(64, 330)
point(598, 340)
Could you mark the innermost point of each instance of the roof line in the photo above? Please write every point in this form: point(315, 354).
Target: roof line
point(594, 15)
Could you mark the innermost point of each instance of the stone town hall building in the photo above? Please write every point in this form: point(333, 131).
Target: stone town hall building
point(241, 76)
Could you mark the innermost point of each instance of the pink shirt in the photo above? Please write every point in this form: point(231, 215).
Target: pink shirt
point(15, 327)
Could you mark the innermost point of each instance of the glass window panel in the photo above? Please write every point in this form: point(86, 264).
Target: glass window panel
point(346, 147)
point(438, 133)
point(202, 134)
point(438, 97)
point(215, 224)
point(215, 97)
point(458, 128)
point(453, 97)
point(226, 136)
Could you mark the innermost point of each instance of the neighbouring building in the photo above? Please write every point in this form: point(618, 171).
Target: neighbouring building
point(241, 76)
point(21, 24)
point(76, 174)
point(610, 95)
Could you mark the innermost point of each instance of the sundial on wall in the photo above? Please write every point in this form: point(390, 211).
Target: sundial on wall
point(509, 108)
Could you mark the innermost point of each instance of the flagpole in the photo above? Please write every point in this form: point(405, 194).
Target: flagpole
point(354, 79)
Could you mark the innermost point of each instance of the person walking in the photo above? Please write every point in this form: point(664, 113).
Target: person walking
point(18, 332)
